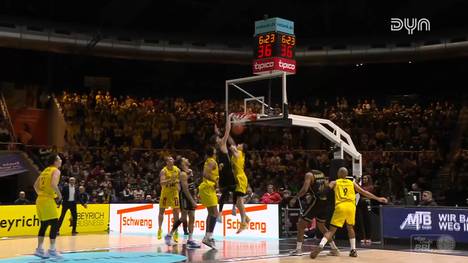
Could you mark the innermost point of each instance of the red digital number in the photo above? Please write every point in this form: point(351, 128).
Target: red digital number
point(286, 51)
point(264, 51)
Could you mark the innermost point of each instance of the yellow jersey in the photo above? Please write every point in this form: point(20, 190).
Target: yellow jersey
point(45, 179)
point(344, 192)
point(238, 163)
point(172, 178)
point(214, 174)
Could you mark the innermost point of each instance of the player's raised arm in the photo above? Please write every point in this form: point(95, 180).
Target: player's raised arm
point(369, 194)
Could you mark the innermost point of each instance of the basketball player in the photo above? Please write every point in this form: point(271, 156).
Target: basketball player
point(169, 179)
point(315, 183)
point(187, 202)
point(238, 162)
point(345, 210)
point(207, 193)
point(227, 181)
point(46, 187)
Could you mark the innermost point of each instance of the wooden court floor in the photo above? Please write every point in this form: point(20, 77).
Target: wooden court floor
point(228, 250)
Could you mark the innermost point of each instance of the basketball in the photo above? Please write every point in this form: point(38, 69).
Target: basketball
point(238, 128)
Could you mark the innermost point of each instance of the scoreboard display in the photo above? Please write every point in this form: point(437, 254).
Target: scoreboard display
point(274, 46)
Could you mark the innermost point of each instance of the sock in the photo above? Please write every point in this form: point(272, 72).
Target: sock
point(190, 236)
point(333, 245)
point(208, 224)
point(175, 226)
point(352, 242)
point(299, 245)
point(212, 224)
point(323, 242)
point(52, 246)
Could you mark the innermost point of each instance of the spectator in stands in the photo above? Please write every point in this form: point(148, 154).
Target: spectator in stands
point(127, 193)
point(426, 199)
point(271, 196)
point(251, 197)
point(83, 196)
point(22, 199)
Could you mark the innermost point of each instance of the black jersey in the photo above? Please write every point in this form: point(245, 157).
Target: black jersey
point(190, 184)
point(319, 189)
point(226, 175)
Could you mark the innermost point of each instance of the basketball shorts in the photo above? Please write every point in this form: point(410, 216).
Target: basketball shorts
point(316, 209)
point(46, 208)
point(185, 203)
point(241, 185)
point(344, 213)
point(169, 199)
point(207, 193)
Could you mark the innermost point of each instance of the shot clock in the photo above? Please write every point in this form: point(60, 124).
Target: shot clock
point(274, 46)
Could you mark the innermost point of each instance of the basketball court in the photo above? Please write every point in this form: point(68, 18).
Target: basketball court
point(144, 248)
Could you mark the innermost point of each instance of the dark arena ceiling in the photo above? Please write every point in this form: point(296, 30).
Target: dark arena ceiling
point(227, 19)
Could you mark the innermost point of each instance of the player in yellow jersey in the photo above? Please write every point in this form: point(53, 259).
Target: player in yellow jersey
point(238, 163)
point(345, 210)
point(46, 187)
point(169, 180)
point(207, 193)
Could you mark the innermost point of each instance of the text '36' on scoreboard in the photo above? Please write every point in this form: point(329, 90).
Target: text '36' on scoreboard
point(274, 46)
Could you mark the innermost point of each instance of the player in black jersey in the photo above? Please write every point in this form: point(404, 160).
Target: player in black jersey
point(315, 183)
point(187, 202)
point(227, 181)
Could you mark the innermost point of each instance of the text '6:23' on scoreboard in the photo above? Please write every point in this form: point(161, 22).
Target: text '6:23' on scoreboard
point(274, 44)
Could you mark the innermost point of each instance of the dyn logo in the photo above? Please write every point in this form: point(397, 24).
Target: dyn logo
point(410, 24)
point(420, 220)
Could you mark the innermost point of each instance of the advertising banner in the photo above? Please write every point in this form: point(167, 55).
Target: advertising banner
point(407, 223)
point(143, 218)
point(22, 220)
point(10, 164)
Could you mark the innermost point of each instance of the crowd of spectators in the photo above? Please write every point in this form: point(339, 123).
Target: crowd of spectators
point(110, 142)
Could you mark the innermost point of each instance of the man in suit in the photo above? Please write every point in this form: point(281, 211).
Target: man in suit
point(71, 195)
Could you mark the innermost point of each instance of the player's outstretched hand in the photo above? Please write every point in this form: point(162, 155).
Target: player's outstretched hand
point(382, 200)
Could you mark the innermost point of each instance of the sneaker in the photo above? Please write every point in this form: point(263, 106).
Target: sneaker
point(234, 211)
point(74, 233)
point(192, 244)
point(368, 242)
point(176, 237)
point(186, 233)
point(159, 234)
point(54, 254)
point(353, 253)
point(247, 219)
point(219, 219)
point(209, 242)
point(334, 252)
point(314, 253)
point(242, 227)
point(295, 252)
point(168, 240)
point(40, 253)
